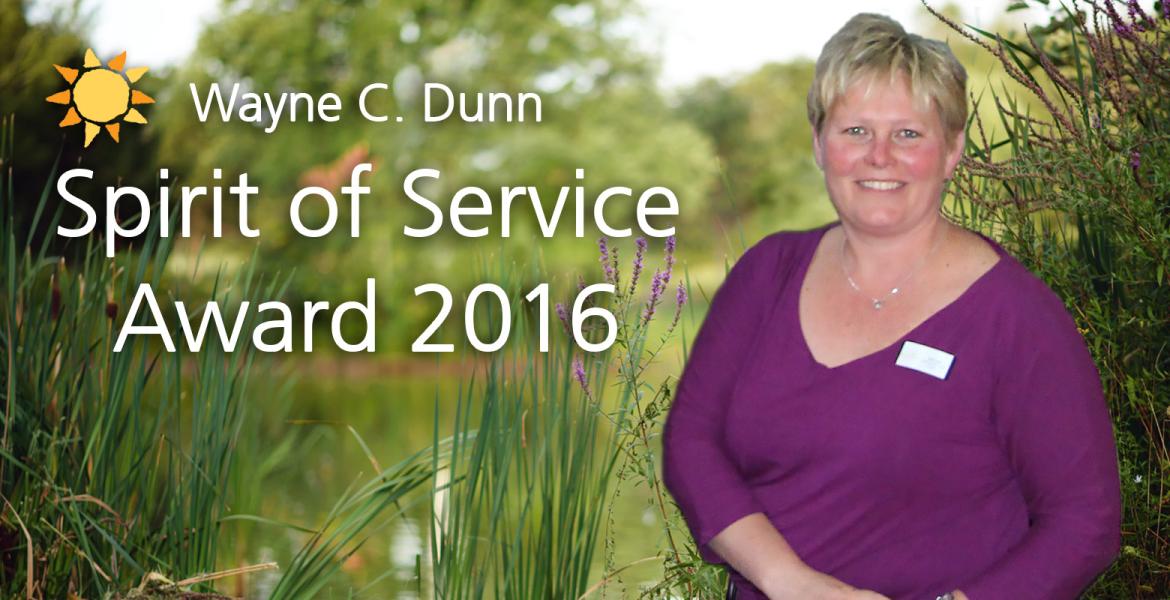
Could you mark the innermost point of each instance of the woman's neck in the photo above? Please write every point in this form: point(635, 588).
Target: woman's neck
point(878, 262)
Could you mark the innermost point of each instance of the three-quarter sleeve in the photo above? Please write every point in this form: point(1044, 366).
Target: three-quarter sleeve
point(1054, 427)
point(697, 470)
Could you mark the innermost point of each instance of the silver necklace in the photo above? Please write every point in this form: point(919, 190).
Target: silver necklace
point(878, 303)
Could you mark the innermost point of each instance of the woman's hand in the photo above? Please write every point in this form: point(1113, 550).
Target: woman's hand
point(868, 595)
point(753, 547)
point(810, 584)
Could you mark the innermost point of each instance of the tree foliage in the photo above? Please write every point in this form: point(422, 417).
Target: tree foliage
point(601, 113)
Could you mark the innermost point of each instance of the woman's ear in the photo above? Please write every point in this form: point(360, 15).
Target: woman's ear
point(818, 150)
point(955, 150)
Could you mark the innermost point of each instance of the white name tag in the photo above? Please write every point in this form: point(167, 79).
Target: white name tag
point(924, 359)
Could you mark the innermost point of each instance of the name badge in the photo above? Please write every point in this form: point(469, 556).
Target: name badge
point(924, 359)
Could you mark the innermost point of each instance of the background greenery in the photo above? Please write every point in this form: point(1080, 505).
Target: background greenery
point(519, 474)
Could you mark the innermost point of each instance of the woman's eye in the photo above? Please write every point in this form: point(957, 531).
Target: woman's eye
point(909, 133)
point(854, 130)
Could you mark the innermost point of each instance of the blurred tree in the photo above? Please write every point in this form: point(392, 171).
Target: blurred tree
point(757, 123)
point(718, 112)
point(27, 77)
point(758, 126)
point(601, 113)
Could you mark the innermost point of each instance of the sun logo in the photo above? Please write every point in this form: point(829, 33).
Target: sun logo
point(101, 96)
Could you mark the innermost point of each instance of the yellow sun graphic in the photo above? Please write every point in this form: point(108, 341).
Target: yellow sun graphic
point(101, 96)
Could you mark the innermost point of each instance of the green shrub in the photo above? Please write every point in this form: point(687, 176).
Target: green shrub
point(1081, 195)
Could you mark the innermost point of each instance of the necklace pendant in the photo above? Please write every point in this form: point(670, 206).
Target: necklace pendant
point(878, 304)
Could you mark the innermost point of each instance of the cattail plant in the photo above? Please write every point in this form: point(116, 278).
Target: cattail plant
point(114, 466)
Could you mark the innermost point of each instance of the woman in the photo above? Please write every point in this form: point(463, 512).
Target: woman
point(891, 406)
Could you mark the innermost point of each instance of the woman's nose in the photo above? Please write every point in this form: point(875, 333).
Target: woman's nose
point(879, 153)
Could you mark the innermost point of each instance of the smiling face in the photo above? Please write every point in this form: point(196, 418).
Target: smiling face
point(885, 157)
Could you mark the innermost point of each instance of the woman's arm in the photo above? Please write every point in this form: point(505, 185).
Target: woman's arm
point(697, 469)
point(725, 518)
point(758, 552)
point(1054, 427)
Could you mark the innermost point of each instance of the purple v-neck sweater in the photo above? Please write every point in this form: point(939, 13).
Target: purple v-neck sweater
point(1000, 480)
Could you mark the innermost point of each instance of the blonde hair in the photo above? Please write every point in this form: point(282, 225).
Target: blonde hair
point(873, 46)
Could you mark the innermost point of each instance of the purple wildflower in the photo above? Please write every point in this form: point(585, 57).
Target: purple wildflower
point(639, 255)
point(563, 315)
point(579, 374)
point(1138, 16)
point(657, 285)
point(1135, 160)
point(603, 245)
point(1165, 9)
point(680, 298)
point(1119, 25)
point(669, 261)
point(617, 272)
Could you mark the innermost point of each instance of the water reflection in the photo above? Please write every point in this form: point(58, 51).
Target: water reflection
point(394, 416)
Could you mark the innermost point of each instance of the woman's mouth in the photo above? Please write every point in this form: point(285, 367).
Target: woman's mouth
point(880, 185)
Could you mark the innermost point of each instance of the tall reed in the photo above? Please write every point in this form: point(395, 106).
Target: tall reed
point(112, 464)
point(544, 443)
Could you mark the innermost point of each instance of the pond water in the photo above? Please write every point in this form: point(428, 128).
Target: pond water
point(302, 457)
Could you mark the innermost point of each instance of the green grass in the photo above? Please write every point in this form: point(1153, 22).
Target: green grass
point(114, 464)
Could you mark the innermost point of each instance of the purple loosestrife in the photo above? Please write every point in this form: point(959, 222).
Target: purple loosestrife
point(669, 259)
point(669, 256)
point(1139, 17)
point(658, 284)
point(617, 272)
point(1120, 27)
point(588, 302)
point(1135, 160)
point(603, 245)
point(680, 298)
point(579, 374)
point(563, 315)
point(639, 256)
